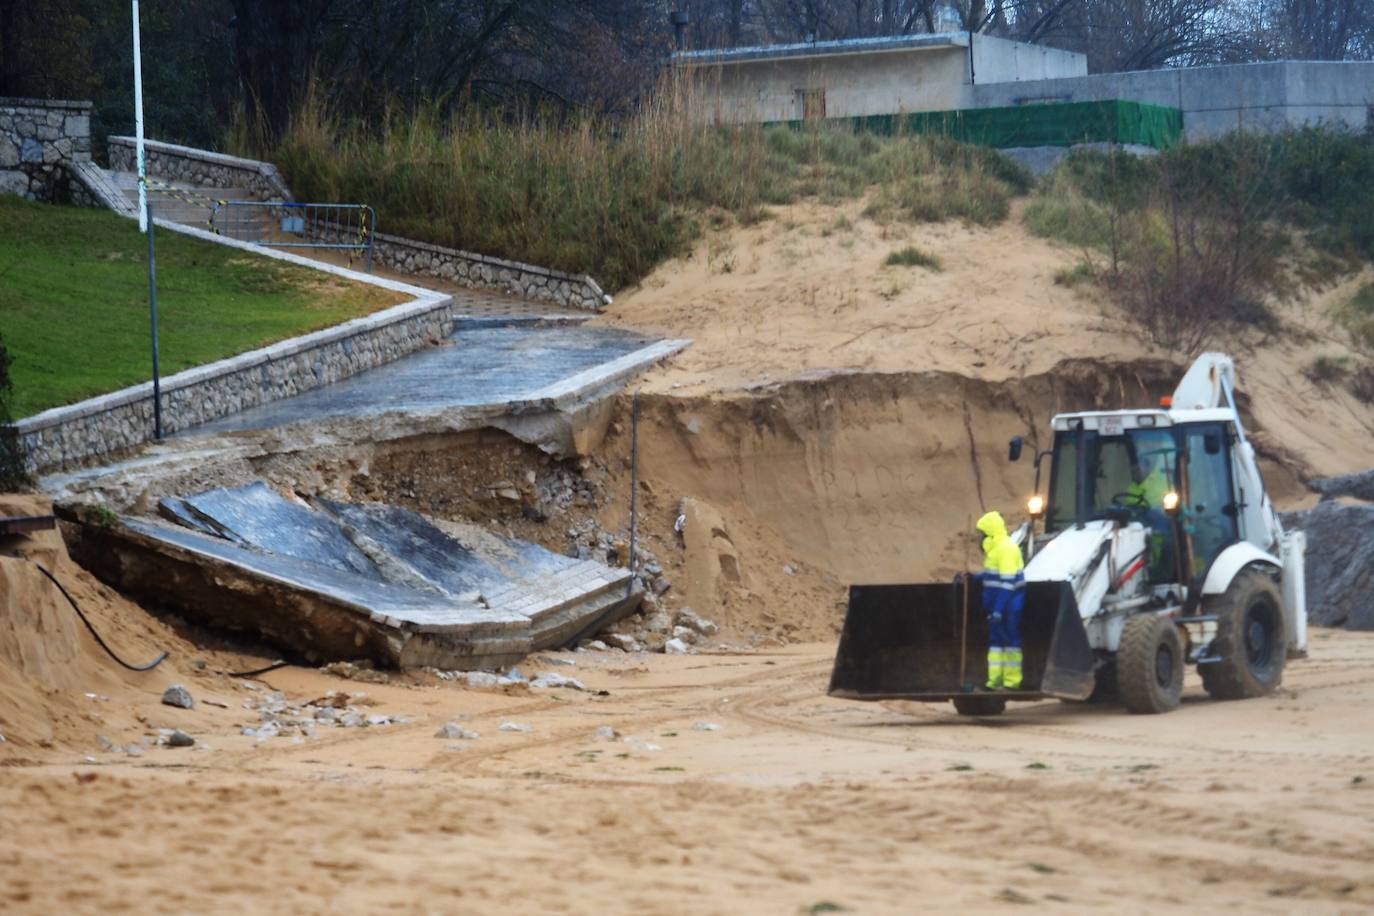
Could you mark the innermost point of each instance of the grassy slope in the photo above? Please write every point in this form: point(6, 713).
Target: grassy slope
point(74, 302)
point(615, 199)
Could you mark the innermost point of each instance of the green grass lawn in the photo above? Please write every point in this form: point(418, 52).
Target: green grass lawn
point(74, 302)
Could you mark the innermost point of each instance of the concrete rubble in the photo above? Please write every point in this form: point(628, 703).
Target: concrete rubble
point(279, 718)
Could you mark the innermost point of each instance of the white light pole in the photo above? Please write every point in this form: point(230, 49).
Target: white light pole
point(138, 128)
point(145, 223)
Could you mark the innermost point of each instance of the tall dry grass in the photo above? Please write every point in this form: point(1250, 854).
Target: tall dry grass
point(614, 198)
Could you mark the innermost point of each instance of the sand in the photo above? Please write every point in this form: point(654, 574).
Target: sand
point(793, 801)
point(806, 292)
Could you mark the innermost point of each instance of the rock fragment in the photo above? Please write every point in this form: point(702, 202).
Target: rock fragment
point(551, 680)
point(178, 696)
point(452, 731)
point(179, 738)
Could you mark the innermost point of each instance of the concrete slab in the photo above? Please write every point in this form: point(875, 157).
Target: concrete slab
point(480, 367)
point(340, 581)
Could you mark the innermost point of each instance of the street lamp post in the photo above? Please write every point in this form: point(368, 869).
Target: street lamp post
point(145, 220)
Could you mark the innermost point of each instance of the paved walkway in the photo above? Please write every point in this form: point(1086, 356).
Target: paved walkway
point(482, 366)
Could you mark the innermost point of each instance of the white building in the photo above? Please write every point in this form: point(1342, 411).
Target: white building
point(866, 76)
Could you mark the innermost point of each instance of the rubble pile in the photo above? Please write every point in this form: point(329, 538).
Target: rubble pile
point(278, 718)
point(679, 633)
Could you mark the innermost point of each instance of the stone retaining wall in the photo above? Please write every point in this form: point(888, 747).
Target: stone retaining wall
point(467, 268)
point(199, 167)
point(38, 139)
point(483, 272)
point(67, 437)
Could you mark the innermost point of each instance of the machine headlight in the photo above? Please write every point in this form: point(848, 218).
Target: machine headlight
point(1036, 506)
point(1170, 502)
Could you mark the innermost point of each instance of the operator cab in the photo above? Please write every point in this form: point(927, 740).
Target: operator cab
point(1174, 478)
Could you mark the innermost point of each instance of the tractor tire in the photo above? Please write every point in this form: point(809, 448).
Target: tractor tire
point(1149, 664)
point(980, 705)
point(1105, 689)
point(1250, 638)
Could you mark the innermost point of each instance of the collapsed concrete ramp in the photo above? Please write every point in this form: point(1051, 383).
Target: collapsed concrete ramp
point(340, 581)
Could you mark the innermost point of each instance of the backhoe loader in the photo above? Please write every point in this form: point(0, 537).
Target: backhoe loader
point(1159, 549)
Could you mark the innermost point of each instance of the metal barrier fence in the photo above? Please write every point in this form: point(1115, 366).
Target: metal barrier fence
point(348, 227)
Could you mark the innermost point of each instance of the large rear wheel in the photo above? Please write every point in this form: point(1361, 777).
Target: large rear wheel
point(1149, 665)
point(979, 705)
point(1250, 638)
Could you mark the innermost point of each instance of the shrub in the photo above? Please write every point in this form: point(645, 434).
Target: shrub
point(913, 257)
point(1194, 237)
point(1358, 315)
point(1326, 369)
point(13, 475)
point(1080, 273)
point(1362, 384)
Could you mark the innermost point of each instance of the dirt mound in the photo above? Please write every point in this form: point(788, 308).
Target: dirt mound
point(809, 291)
point(58, 688)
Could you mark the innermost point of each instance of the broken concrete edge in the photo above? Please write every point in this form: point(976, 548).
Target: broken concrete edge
point(73, 434)
point(124, 150)
point(576, 388)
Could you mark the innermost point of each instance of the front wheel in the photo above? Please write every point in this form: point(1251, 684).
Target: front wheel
point(1149, 665)
point(1250, 638)
point(977, 705)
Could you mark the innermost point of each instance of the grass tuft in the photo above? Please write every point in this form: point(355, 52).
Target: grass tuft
point(913, 257)
point(1358, 315)
point(1324, 370)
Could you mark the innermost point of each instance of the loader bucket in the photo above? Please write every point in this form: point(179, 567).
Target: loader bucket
point(906, 642)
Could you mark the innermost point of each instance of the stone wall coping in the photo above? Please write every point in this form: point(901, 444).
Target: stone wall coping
point(204, 155)
point(492, 260)
point(423, 302)
point(65, 104)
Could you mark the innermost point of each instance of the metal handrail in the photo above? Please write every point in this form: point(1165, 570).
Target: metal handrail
point(287, 224)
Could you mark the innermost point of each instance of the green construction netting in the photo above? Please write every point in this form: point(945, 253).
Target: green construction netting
point(1044, 124)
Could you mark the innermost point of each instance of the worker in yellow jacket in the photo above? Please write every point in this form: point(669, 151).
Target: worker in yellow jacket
point(1004, 599)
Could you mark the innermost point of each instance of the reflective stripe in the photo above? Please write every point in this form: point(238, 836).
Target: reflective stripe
point(1011, 668)
point(1009, 586)
point(995, 665)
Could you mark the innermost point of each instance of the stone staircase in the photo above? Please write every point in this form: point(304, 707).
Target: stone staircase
point(175, 201)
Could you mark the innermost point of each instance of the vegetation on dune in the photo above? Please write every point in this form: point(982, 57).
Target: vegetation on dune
point(613, 198)
point(1358, 315)
point(911, 256)
point(74, 302)
point(1200, 240)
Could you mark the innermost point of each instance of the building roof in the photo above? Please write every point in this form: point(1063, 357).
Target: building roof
point(807, 49)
